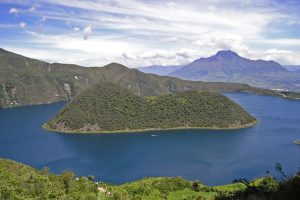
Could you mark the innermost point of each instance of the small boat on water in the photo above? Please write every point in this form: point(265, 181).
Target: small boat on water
point(297, 141)
point(153, 135)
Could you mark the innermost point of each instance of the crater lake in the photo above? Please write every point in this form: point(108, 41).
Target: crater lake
point(213, 156)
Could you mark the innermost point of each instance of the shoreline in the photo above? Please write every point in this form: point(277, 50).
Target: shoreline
point(220, 92)
point(135, 180)
point(45, 126)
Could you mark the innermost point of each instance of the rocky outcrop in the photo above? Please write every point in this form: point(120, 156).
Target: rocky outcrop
point(67, 89)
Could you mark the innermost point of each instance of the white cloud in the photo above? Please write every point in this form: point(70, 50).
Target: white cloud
point(22, 25)
point(87, 32)
point(223, 42)
point(278, 41)
point(282, 56)
point(13, 11)
point(44, 54)
point(98, 48)
point(43, 19)
point(32, 9)
point(126, 56)
point(158, 32)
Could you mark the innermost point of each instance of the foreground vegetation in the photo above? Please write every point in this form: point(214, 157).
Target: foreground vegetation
point(18, 181)
point(107, 107)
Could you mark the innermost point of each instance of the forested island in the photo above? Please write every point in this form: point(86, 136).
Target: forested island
point(106, 107)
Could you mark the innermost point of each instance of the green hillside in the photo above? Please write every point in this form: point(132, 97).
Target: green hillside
point(26, 81)
point(109, 107)
point(18, 182)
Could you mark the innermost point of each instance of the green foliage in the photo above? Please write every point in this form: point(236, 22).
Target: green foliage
point(18, 181)
point(68, 179)
point(108, 107)
point(196, 186)
point(266, 188)
point(160, 188)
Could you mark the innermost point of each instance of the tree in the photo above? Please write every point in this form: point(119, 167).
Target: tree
point(196, 186)
point(67, 177)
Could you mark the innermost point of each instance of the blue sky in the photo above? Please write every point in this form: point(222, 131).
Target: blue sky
point(142, 33)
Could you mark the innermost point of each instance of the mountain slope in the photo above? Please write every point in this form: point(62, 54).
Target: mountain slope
point(293, 68)
point(19, 181)
point(26, 81)
point(160, 69)
point(227, 66)
point(109, 107)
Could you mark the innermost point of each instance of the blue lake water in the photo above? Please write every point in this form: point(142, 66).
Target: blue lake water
point(214, 157)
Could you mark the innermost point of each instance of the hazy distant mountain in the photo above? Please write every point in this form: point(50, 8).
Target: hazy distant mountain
point(160, 69)
point(226, 63)
point(25, 81)
point(228, 66)
point(293, 68)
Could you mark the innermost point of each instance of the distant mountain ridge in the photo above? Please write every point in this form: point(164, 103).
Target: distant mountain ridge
point(228, 66)
point(160, 69)
point(27, 81)
point(226, 63)
point(292, 68)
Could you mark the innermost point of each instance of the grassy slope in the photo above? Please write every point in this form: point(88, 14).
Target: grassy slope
point(25, 81)
point(108, 107)
point(18, 181)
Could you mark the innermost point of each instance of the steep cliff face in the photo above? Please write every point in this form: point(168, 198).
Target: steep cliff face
point(9, 95)
point(26, 81)
point(67, 89)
